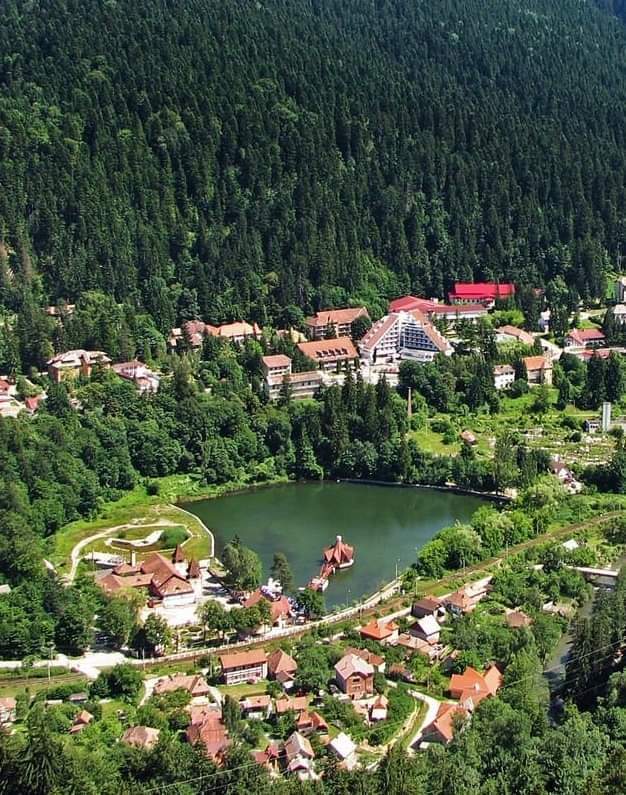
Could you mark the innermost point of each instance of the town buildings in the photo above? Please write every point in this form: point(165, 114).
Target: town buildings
point(139, 374)
point(584, 338)
point(503, 376)
point(195, 684)
point(403, 335)
point(538, 370)
point(170, 581)
point(486, 293)
point(278, 376)
point(330, 354)
point(354, 676)
point(335, 322)
point(435, 310)
point(143, 737)
point(512, 334)
point(244, 666)
point(193, 332)
point(71, 364)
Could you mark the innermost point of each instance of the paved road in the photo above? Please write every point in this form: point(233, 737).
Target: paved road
point(432, 708)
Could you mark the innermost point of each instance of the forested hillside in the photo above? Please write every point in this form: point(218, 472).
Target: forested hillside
point(239, 158)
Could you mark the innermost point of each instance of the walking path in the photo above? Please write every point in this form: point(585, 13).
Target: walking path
point(432, 708)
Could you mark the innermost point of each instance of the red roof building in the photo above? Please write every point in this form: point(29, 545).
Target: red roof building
point(157, 574)
point(339, 554)
point(471, 687)
point(211, 734)
point(286, 704)
point(280, 607)
point(339, 321)
point(381, 631)
point(584, 338)
point(195, 684)
point(480, 292)
point(330, 353)
point(448, 717)
point(279, 662)
point(435, 309)
point(244, 666)
point(142, 737)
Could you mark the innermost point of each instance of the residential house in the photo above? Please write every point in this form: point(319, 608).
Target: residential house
point(385, 632)
point(163, 580)
point(466, 598)
point(32, 403)
point(436, 310)
point(270, 757)
point(330, 354)
point(471, 687)
point(211, 734)
point(538, 369)
point(486, 293)
point(281, 610)
point(143, 737)
point(277, 374)
point(310, 722)
point(403, 335)
point(428, 606)
point(412, 643)
point(81, 721)
point(299, 757)
point(337, 322)
point(516, 619)
point(282, 668)
point(244, 666)
point(344, 749)
point(296, 704)
point(510, 334)
point(73, 363)
point(375, 660)
point(8, 710)
point(354, 676)
point(584, 338)
point(379, 709)
point(503, 376)
point(146, 381)
point(195, 684)
point(426, 628)
point(448, 717)
point(256, 707)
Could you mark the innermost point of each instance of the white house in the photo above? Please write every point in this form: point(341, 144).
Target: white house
point(503, 376)
point(344, 748)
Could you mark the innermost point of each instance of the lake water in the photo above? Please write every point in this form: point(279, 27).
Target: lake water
point(385, 525)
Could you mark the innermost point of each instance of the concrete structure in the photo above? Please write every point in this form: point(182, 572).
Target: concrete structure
point(503, 376)
point(73, 363)
point(329, 354)
point(538, 370)
point(244, 666)
point(619, 313)
point(354, 676)
point(403, 335)
point(337, 322)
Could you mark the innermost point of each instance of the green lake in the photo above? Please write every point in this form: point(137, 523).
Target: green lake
point(386, 526)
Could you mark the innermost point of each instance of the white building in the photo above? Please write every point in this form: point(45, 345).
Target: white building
point(503, 376)
point(404, 335)
point(277, 372)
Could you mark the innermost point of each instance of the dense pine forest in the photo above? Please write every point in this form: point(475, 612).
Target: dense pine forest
point(240, 158)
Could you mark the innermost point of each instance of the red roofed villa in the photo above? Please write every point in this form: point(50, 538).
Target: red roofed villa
point(244, 666)
point(584, 338)
point(471, 687)
point(381, 631)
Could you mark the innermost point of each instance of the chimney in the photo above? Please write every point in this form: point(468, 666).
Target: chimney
point(133, 558)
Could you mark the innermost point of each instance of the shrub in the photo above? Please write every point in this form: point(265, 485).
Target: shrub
point(172, 536)
point(153, 487)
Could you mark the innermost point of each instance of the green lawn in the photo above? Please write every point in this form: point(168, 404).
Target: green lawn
point(243, 690)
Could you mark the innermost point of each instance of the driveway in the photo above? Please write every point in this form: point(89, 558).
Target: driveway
point(432, 708)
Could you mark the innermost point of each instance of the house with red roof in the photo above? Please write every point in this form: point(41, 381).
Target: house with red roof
point(211, 735)
point(337, 322)
point(296, 704)
point(481, 292)
point(143, 737)
point(73, 363)
point(139, 374)
point(329, 354)
point(584, 338)
point(256, 707)
point(195, 684)
point(354, 676)
point(244, 666)
point(281, 610)
point(310, 722)
point(513, 334)
point(282, 668)
point(277, 373)
point(449, 717)
point(81, 721)
point(163, 579)
point(538, 370)
point(471, 687)
point(380, 631)
point(437, 310)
